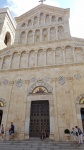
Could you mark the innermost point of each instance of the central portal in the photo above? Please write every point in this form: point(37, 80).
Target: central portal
point(39, 118)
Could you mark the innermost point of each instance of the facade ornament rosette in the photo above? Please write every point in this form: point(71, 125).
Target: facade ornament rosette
point(61, 80)
point(19, 83)
point(77, 76)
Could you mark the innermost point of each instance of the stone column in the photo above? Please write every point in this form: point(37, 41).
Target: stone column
point(36, 52)
point(41, 36)
point(54, 56)
point(33, 36)
point(19, 54)
point(74, 54)
point(28, 59)
point(56, 28)
point(49, 34)
point(45, 58)
point(54, 115)
point(27, 113)
point(64, 55)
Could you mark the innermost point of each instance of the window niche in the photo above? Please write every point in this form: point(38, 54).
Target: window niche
point(81, 101)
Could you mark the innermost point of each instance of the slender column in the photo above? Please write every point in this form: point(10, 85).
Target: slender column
point(41, 36)
point(19, 55)
point(54, 56)
point(64, 55)
point(49, 34)
point(36, 52)
point(56, 33)
point(33, 36)
point(54, 114)
point(45, 62)
point(27, 113)
point(28, 59)
point(26, 38)
point(74, 54)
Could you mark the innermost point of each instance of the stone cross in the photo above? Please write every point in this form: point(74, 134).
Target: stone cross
point(42, 1)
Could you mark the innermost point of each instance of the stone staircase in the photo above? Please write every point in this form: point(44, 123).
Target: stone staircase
point(38, 144)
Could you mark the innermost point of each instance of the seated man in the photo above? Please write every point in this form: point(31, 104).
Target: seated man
point(11, 130)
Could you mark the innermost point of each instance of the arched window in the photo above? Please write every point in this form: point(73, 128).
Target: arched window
point(81, 101)
point(1, 104)
point(7, 39)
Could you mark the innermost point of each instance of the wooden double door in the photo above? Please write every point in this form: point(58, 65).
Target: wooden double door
point(39, 118)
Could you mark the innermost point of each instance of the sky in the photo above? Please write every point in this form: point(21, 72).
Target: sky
point(76, 21)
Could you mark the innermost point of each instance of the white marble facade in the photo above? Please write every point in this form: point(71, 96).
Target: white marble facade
point(43, 54)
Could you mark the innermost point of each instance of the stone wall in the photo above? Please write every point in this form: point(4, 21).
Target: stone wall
point(65, 88)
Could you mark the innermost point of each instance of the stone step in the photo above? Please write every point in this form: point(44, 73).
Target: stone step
point(38, 145)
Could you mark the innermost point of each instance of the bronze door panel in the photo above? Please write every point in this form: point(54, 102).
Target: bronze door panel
point(39, 118)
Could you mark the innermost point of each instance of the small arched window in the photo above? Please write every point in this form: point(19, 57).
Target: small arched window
point(81, 101)
point(7, 39)
point(1, 104)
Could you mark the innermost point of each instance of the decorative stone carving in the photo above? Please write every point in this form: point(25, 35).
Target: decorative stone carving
point(19, 83)
point(33, 79)
point(40, 83)
point(77, 76)
point(46, 79)
point(61, 80)
point(5, 81)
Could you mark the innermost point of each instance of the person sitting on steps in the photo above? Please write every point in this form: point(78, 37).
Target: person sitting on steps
point(11, 131)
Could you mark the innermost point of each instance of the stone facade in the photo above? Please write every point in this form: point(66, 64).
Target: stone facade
point(43, 54)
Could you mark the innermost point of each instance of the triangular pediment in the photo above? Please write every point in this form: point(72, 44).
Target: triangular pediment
point(42, 8)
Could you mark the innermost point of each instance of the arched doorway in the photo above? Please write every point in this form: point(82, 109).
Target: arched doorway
point(1, 111)
point(82, 117)
point(39, 118)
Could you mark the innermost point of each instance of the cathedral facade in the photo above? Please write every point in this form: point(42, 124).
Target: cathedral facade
point(41, 73)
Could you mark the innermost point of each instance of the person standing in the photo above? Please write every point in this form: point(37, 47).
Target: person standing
point(2, 132)
point(80, 135)
point(75, 134)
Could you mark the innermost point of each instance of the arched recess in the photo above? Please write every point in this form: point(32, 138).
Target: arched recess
point(32, 58)
point(68, 54)
point(6, 62)
point(37, 36)
point(60, 32)
point(47, 19)
point(80, 110)
point(53, 19)
point(41, 20)
point(45, 35)
point(47, 87)
point(60, 19)
point(49, 56)
point(79, 55)
point(24, 60)
point(15, 60)
point(29, 23)
point(22, 37)
point(24, 25)
point(7, 39)
point(30, 37)
point(52, 33)
point(2, 104)
point(35, 20)
point(40, 57)
point(59, 55)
